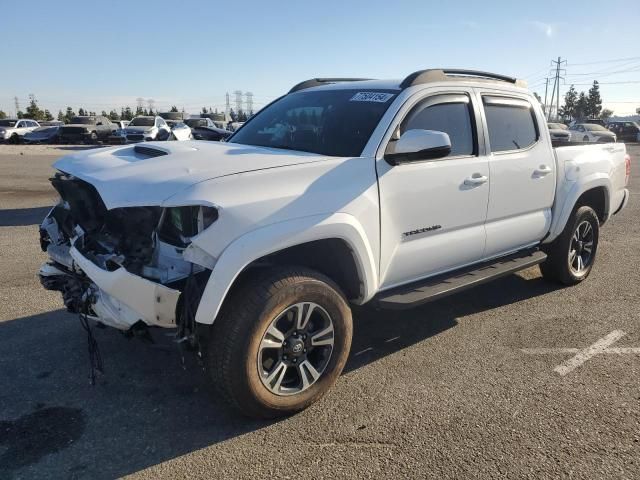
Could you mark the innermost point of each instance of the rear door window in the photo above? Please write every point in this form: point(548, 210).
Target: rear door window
point(511, 123)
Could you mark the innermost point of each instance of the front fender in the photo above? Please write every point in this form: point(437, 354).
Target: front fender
point(567, 199)
point(278, 236)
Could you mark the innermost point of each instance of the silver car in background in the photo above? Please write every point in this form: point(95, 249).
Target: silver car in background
point(13, 129)
point(559, 132)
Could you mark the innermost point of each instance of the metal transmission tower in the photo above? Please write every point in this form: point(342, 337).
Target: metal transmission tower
point(556, 85)
point(151, 102)
point(227, 106)
point(238, 94)
point(140, 104)
point(249, 103)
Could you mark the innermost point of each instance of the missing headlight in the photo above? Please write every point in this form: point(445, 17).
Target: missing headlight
point(179, 224)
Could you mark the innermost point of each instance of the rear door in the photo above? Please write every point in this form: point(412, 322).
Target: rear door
point(522, 170)
point(433, 211)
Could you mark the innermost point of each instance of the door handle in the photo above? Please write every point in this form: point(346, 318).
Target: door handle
point(542, 170)
point(475, 180)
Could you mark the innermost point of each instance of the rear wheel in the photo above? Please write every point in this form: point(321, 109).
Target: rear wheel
point(572, 255)
point(14, 139)
point(280, 343)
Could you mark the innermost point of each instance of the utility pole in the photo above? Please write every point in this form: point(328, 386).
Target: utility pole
point(17, 104)
point(227, 106)
point(546, 88)
point(238, 94)
point(249, 96)
point(556, 84)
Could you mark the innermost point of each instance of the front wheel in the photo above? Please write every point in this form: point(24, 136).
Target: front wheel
point(280, 343)
point(571, 256)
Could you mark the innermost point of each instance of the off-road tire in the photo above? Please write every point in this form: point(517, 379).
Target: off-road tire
point(232, 349)
point(556, 267)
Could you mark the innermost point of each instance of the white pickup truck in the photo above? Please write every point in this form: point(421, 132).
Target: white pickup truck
point(341, 191)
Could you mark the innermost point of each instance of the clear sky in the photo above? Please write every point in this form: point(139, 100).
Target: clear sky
point(104, 54)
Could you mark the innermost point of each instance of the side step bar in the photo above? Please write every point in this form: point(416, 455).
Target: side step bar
point(430, 289)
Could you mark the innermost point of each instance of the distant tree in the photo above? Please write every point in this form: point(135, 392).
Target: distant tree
point(145, 112)
point(582, 106)
point(126, 113)
point(104, 113)
point(20, 114)
point(606, 114)
point(47, 115)
point(93, 114)
point(569, 107)
point(2, 115)
point(173, 108)
point(594, 100)
point(33, 111)
point(139, 110)
point(81, 112)
point(233, 115)
point(113, 116)
point(60, 116)
point(204, 111)
point(69, 114)
point(151, 112)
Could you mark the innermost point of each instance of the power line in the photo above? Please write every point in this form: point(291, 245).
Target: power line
point(605, 61)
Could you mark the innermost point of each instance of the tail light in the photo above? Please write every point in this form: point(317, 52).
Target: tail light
point(627, 168)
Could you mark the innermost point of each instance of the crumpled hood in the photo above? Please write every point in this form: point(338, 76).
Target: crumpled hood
point(86, 126)
point(125, 177)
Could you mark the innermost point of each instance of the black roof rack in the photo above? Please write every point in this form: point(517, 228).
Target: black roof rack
point(445, 74)
point(315, 82)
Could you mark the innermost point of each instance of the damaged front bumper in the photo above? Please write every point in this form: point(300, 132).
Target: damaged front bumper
point(118, 298)
point(124, 267)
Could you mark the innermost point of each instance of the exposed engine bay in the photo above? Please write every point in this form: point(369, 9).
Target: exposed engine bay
point(123, 267)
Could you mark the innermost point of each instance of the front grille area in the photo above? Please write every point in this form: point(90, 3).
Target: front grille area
point(73, 130)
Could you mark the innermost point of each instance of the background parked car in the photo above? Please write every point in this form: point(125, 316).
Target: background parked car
point(590, 132)
point(45, 134)
point(12, 130)
point(205, 129)
point(559, 132)
point(51, 123)
point(87, 129)
point(625, 131)
point(143, 129)
point(121, 124)
point(179, 131)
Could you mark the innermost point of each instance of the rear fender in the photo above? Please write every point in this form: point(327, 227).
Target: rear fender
point(566, 200)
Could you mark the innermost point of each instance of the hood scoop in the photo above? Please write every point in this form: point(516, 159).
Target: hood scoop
point(149, 151)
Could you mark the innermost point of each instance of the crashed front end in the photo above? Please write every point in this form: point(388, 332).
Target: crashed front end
point(123, 267)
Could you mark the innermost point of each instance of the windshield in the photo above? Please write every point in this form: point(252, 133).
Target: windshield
point(8, 123)
point(142, 122)
point(196, 122)
point(557, 126)
point(594, 128)
point(329, 122)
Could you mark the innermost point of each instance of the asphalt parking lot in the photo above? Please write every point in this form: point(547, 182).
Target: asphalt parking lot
point(483, 384)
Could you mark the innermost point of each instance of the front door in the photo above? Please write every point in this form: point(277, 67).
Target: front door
point(433, 212)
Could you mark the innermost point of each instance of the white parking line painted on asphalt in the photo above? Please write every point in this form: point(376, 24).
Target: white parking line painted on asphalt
point(602, 346)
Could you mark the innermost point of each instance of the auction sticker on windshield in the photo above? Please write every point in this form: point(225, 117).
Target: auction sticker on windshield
point(371, 97)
